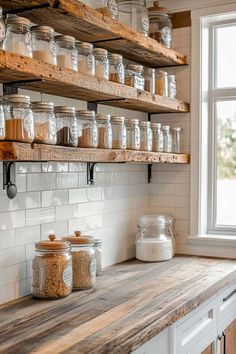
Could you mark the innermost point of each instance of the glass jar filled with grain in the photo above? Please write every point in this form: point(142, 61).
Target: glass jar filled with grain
point(19, 122)
point(146, 136)
point(2, 28)
point(66, 125)
point(167, 138)
point(86, 60)
point(150, 78)
point(161, 85)
point(157, 137)
point(160, 24)
point(97, 245)
point(104, 131)
point(117, 69)
point(101, 63)
point(66, 52)
point(44, 123)
point(132, 134)
point(43, 44)
point(88, 131)
point(52, 269)
point(172, 87)
point(108, 7)
point(118, 132)
point(2, 123)
point(134, 76)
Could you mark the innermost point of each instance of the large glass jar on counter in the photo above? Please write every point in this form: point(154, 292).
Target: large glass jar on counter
point(134, 76)
point(66, 123)
point(44, 123)
point(132, 134)
point(134, 13)
point(2, 123)
point(146, 136)
point(157, 137)
point(160, 24)
point(118, 132)
point(2, 28)
point(117, 69)
point(43, 44)
point(108, 7)
point(88, 131)
point(52, 269)
point(104, 131)
point(66, 52)
point(86, 60)
point(19, 122)
point(101, 63)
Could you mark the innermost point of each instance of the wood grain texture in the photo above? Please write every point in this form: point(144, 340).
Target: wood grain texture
point(230, 338)
point(181, 19)
point(133, 302)
point(209, 350)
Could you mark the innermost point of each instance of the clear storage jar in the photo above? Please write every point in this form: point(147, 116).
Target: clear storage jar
point(86, 60)
point(157, 137)
point(150, 80)
point(161, 86)
point(88, 131)
point(43, 44)
point(177, 141)
point(172, 88)
point(160, 24)
point(66, 52)
point(2, 28)
point(44, 123)
point(98, 255)
point(66, 124)
point(104, 131)
point(117, 69)
point(146, 136)
point(118, 132)
point(19, 122)
point(18, 37)
point(108, 7)
point(134, 13)
point(2, 123)
point(101, 63)
point(52, 269)
point(132, 134)
point(167, 138)
point(134, 76)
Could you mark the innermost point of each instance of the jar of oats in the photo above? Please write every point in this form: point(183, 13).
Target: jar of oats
point(87, 128)
point(52, 269)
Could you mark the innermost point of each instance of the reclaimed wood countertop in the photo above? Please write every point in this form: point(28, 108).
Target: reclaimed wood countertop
point(133, 302)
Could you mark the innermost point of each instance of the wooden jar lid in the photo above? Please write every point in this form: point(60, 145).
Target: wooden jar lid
point(52, 244)
point(79, 239)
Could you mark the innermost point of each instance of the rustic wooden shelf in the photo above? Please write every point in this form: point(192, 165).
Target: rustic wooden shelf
point(86, 24)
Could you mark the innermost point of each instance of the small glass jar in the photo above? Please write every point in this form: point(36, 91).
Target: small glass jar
point(66, 123)
point(146, 136)
point(98, 255)
point(2, 123)
point(88, 131)
point(117, 69)
point(101, 63)
point(172, 88)
point(52, 269)
point(134, 76)
point(134, 13)
point(44, 123)
point(176, 136)
point(162, 83)
point(66, 52)
point(86, 60)
point(43, 44)
point(150, 78)
point(104, 131)
point(118, 132)
point(160, 24)
point(108, 7)
point(2, 28)
point(167, 138)
point(19, 122)
point(18, 37)
point(132, 134)
point(157, 137)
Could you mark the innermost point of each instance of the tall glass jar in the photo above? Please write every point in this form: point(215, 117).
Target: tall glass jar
point(44, 123)
point(146, 136)
point(101, 63)
point(161, 83)
point(98, 255)
point(19, 122)
point(66, 52)
point(167, 138)
point(134, 76)
point(2, 28)
point(133, 13)
point(157, 137)
point(2, 123)
point(150, 80)
point(43, 44)
point(176, 135)
point(18, 38)
point(52, 269)
point(118, 132)
point(172, 88)
point(86, 60)
point(88, 136)
point(132, 134)
point(117, 69)
point(160, 24)
point(108, 7)
point(66, 123)
point(104, 131)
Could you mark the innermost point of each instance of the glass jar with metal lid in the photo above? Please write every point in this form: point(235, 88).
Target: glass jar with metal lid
point(176, 136)
point(18, 37)
point(132, 134)
point(52, 269)
point(172, 88)
point(134, 76)
point(134, 13)
point(150, 78)
point(66, 52)
point(97, 245)
point(104, 131)
point(2, 123)
point(118, 132)
point(117, 69)
point(167, 138)
point(160, 24)
point(44, 123)
point(43, 44)
point(146, 136)
point(108, 7)
point(86, 60)
point(66, 123)
point(101, 63)
point(19, 122)
point(157, 137)
point(88, 131)
point(161, 85)
point(2, 28)
point(83, 260)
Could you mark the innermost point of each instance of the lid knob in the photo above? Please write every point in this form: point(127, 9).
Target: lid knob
point(156, 3)
point(52, 237)
point(78, 233)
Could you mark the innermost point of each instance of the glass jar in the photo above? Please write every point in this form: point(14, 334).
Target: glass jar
point(146, 136)
point(66, 52)
point(52, 269)
point(117, 69)
point(101, 63)
point(176, 136)
point(88, 131)
point(157, 137)
point(44, 123)
point(86, 60)
point(43, 44)
point(134, 13)
point(154, 242)
point(66, 124)
point(160, 24)
point(2, 28)
point(150, 78)
point(132, 134)
point(104, 131)
point(98, 255)
point(134, 76)
point(109, 7)
point(18, 38)
point(19, 122)
point(162, 83)
point(2, 123)
point(118, 132)
point(167, 138)
point(172, 88)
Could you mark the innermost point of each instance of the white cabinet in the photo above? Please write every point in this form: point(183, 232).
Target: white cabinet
point(153, 346)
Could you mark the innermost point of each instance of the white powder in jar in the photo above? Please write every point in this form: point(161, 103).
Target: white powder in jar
point(44, 56)
point(100, 72)
point(153, 251)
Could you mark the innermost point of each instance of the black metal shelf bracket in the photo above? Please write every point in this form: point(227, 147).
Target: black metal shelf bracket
point(90, 173)
point(9, 179)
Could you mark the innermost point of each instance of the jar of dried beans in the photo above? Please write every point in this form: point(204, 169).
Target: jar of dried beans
point(66, 52)
point(66, 123)
point(117, 69)
point(88, 131)
point(104, 131)
point(86, 60)
point(44, 123)
point(146, 136)
point(157, 137)
point(98, 255)
point(52, 269)
point(134, 76)
point(101, 63)
point(43, 44)
point(149, 74)
point(161, 85)
point(132, 134)
point(118, 132)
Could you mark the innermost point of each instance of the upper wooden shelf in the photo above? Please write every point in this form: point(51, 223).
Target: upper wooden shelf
point(86, 24)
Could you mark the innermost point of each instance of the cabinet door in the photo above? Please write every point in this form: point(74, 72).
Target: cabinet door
point(209, 349)
point(228, 345)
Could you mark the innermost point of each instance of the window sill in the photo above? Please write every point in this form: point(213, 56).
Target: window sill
point(216, 240)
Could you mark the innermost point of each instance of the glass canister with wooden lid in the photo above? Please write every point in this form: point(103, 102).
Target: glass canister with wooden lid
point(160, 24)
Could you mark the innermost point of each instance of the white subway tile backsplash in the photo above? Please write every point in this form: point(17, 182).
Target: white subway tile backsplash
point(77, 196)
point(7, 239)
point(21, 201)
point(12, 220)
point(40, 216)
point(41, 182)
point(55, 197)
point(57, 228)
point(26, 235)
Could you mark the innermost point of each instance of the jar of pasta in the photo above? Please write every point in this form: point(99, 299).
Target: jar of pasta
point(146, 136)
point(66, 123)
point(157, 137)
point(118, 132)
point(132, 134)
point(88, 131)
point(44, 123)
point(66, 52)
point(134, 76)
point(43, 44)
point(117, 69)
point(104, 131)
point(161, 83)
point(150, 78)
point(101, 63)
point(86, 60)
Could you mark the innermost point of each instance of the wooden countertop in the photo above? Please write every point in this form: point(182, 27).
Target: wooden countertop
point(133, 302)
